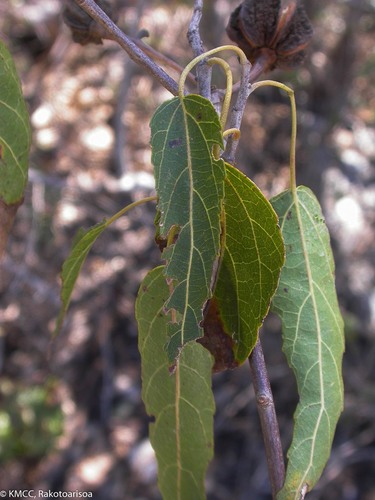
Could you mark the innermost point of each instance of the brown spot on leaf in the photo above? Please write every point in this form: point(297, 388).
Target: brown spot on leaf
point(174, 143)
point(216, 339)
point(161, 242)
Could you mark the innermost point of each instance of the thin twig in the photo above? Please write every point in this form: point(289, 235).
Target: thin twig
point(134, 52)
point(120, 163)
point(268, 420)
point(203, 70)
point(162, 59)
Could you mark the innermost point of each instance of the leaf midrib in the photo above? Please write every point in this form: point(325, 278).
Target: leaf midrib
point(312, 293)
point(183, 320)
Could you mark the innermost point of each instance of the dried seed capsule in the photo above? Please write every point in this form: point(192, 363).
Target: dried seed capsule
point(273, 32)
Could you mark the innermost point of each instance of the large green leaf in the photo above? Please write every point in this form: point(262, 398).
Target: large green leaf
point(15, 134)
point(181, 402)
point(313, 339)
point(190, 187)
point(15, 140)
point(249, 271)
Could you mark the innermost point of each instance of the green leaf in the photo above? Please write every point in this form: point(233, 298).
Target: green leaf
point(181, 402)
point(190, 187)
point(251, 264)
point(313, 339)
point(82, 244)
point(248, 274)
point(15, 133)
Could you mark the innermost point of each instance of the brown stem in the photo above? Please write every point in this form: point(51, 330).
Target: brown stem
point(122, 98)
point(7, 216)
point(268, 420)
point(262, 64)
point(196, 44)
point(249, 76)
point(134, 52)
point(162, 59)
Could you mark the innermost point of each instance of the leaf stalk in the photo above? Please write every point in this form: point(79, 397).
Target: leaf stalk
point(228, 89)
point(201, 57)
point(293, 135)
point(129, 207)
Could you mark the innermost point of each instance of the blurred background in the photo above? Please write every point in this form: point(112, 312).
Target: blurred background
point(71, 415)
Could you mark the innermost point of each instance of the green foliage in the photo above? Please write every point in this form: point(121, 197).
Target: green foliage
point(15, 133)
point(251, 264)
point(82, 244)
point(29, 421)
point(181, 402)
point(313, 339)
point(190, 188)
point(224, 252)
